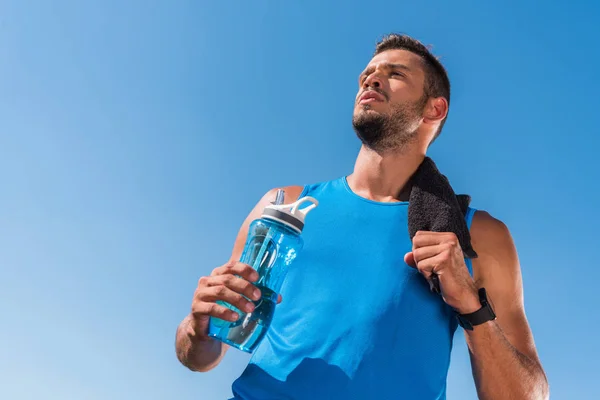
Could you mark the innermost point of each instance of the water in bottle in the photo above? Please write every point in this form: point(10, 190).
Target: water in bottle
point(273, 242)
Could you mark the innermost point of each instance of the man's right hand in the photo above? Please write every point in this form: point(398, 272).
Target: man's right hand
point(230, 283)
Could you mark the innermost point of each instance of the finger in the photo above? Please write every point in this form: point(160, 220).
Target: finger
point(201, 310)
point(430, 265)
point(427, 268)
point(279, 298)
point(237, 268)
point(426, 238)
point(223, 293)
point(423, 253)
point(426, 272)
point(409, 259)
point(237, 284)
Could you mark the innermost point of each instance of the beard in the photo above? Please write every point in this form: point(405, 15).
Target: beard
point(390, 131)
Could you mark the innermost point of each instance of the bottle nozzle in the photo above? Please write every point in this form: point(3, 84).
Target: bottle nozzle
point(279, 197)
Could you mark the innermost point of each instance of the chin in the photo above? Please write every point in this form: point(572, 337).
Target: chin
point(369, 108)
point(363, 110)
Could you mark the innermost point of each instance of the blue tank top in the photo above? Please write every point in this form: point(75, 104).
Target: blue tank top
point(355, 322)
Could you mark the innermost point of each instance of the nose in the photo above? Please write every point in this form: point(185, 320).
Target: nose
point(373, 80)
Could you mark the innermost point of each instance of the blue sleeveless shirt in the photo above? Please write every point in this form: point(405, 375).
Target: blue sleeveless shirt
point(355, 322)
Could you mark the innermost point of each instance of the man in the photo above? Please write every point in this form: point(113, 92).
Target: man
point(355, 320)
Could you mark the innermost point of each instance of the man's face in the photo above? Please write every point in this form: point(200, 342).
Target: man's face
point(390, 100)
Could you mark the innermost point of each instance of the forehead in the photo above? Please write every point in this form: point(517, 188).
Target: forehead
point(403, 57)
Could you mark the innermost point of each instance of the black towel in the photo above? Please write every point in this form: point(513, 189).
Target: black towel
point(433, 206)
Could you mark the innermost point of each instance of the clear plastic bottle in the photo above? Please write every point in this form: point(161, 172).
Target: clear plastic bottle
point(273, 242)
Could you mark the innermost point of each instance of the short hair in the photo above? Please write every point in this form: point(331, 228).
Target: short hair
point(437, 83)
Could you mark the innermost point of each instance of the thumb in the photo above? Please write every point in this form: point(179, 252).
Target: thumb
point(279, 298)
point(409, 259)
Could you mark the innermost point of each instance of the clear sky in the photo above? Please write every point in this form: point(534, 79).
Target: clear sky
point(136, 135)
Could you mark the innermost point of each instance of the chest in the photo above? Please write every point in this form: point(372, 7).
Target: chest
point(352, 267)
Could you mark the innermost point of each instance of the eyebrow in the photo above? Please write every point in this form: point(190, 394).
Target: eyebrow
point(398, 66)
point(388, 65)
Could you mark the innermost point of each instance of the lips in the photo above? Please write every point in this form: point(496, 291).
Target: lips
point(370, 96)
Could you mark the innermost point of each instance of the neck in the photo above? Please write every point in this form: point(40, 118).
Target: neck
point(384, 177)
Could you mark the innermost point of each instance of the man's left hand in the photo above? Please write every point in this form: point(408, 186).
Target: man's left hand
point(440, 253)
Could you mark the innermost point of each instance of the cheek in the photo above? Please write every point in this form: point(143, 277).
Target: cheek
point(398, 96)
point(401, 92)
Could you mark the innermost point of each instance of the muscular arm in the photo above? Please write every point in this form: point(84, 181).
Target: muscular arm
point(194, 348)
point(503, 354)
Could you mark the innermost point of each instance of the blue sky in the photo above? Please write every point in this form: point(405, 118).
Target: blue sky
point(135, 136)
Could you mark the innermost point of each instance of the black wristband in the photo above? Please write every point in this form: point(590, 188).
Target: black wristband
point(484, 314)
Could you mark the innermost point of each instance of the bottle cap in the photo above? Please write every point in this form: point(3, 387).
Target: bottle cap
point(291, 214)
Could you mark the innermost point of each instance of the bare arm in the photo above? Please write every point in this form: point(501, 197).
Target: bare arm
point(195, 351)
point(503, 355)
point(194, 348)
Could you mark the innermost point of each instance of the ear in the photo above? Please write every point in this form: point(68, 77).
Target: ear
point(436, 110)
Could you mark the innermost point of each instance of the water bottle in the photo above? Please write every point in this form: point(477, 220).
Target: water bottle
point(274, 241)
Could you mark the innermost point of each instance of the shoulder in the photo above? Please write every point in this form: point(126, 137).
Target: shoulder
point(291, 194)
point(497, 261)
point(294, 192)
point(487, 228)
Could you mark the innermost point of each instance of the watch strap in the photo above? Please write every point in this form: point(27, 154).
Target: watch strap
point(484, 314)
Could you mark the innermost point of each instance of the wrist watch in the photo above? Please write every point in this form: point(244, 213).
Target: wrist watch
point(484, 314)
